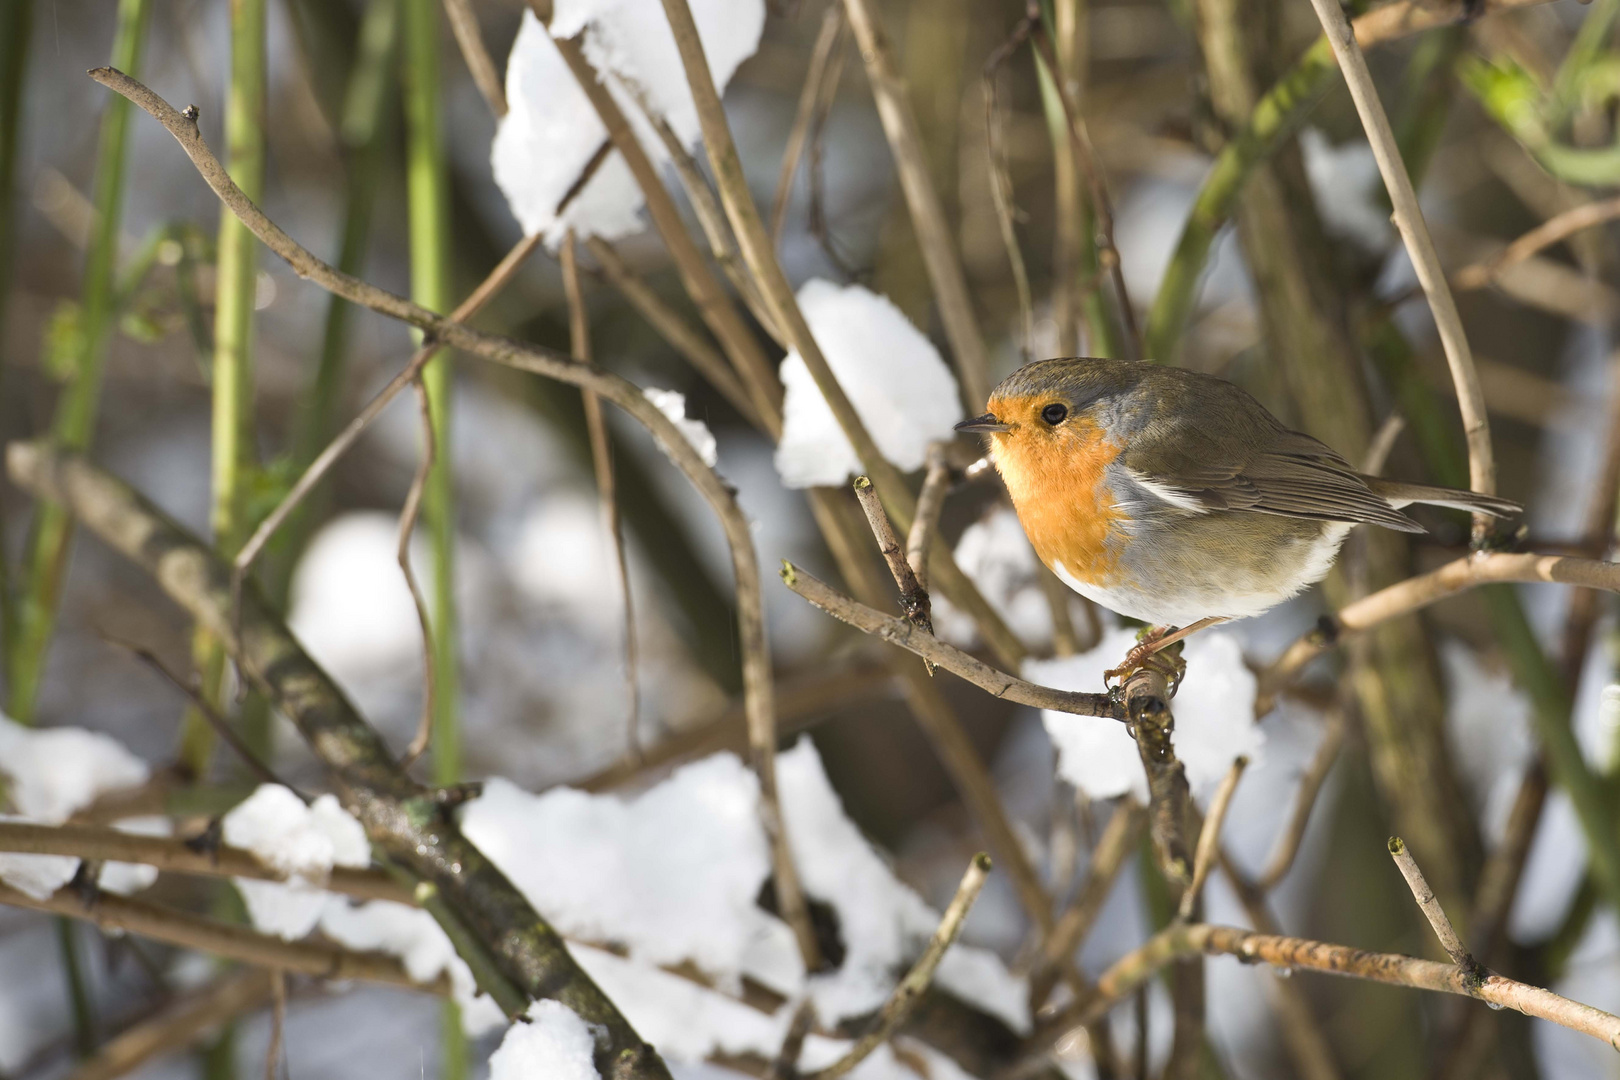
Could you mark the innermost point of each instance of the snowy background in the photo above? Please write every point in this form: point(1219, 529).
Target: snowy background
point(656, 880)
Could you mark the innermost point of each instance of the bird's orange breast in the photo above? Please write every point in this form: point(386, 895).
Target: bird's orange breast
point(1057, 483)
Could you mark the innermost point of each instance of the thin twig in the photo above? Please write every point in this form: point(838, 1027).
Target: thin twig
point(1420, 246)
point(1310, 785)
point(904, 634)
point(1209, 838)
point(278, 1021)
point(934, 235)
point(1001, 191)
point(318, 468)
point(579, 336)
point(1548, 233)
point(786, 1065)
point(1102, 207)
point(408, 515)
point(98, 843)
point(828, 39)
point(464, 24)
point(930, 501)
point(909, 992)
point(1430, 906)
point(205, 708)
point(914, 600)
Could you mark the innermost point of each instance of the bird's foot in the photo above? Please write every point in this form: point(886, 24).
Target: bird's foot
point(1144, 654)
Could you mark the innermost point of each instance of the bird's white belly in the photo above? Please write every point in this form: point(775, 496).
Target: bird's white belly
point(1230, 592)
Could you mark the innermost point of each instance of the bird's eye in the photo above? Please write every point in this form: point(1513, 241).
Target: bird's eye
point(1054, 413)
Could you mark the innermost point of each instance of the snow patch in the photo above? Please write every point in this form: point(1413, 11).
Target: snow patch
point(891, 372)
point(55, 772)
point(301, 842)
point(672, 403)
point(555, 1044)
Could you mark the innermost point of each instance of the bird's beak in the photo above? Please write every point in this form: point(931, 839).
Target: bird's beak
point(987, 422)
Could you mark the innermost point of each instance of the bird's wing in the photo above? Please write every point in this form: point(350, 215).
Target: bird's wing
point(1233, 455)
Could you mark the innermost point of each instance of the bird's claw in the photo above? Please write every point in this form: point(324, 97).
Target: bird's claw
point(1146, 655)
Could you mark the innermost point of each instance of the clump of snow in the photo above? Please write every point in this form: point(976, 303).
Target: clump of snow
point(301, 842)
point(673, 876)
point(1214, 711)
point(883, 922)
point(672, 403)
point(125, 878)
point(670, 875)
point(891, 372)
point(551, 131)
point(555, 1044)
point(35, 875)
point(55, 772)
point(421, 944)
point(997, 556)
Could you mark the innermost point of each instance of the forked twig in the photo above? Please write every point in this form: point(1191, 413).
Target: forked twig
point(913, 597)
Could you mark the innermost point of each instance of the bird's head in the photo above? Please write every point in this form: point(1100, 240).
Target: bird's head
point(1051, 405)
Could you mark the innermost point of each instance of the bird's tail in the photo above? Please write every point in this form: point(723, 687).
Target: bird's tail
point(1400, 493)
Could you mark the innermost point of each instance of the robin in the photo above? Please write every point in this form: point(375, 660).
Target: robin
point(1174, 497)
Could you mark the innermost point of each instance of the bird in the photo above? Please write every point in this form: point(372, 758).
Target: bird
point(1174, 497)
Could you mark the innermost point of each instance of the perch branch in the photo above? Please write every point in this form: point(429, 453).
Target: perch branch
point(899, 632)
point(906, 996)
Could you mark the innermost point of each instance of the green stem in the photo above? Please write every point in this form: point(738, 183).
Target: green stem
point(366, 103)
point(35, 615)
point(427, 189)
point(80, 1002)
point(1591, 40)
point(1275, 118)
point(16, 20)
point(233, 429)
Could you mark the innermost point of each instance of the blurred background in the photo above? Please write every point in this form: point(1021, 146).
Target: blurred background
point(113, 294)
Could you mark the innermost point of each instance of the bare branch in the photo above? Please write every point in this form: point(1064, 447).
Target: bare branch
point(1420, 246)
point(905, 997)
point(1310, 785)
point(1480, 274)
point(812, 99)
point(1209, 839)
point(1431, 908)
point(98, 843)
point(930, 501)
point(232, 941)
point(402, 553)
point(1404, 597)
point(464, 24)
point(898, 632)
point(914, 600)
point(1290, 953)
